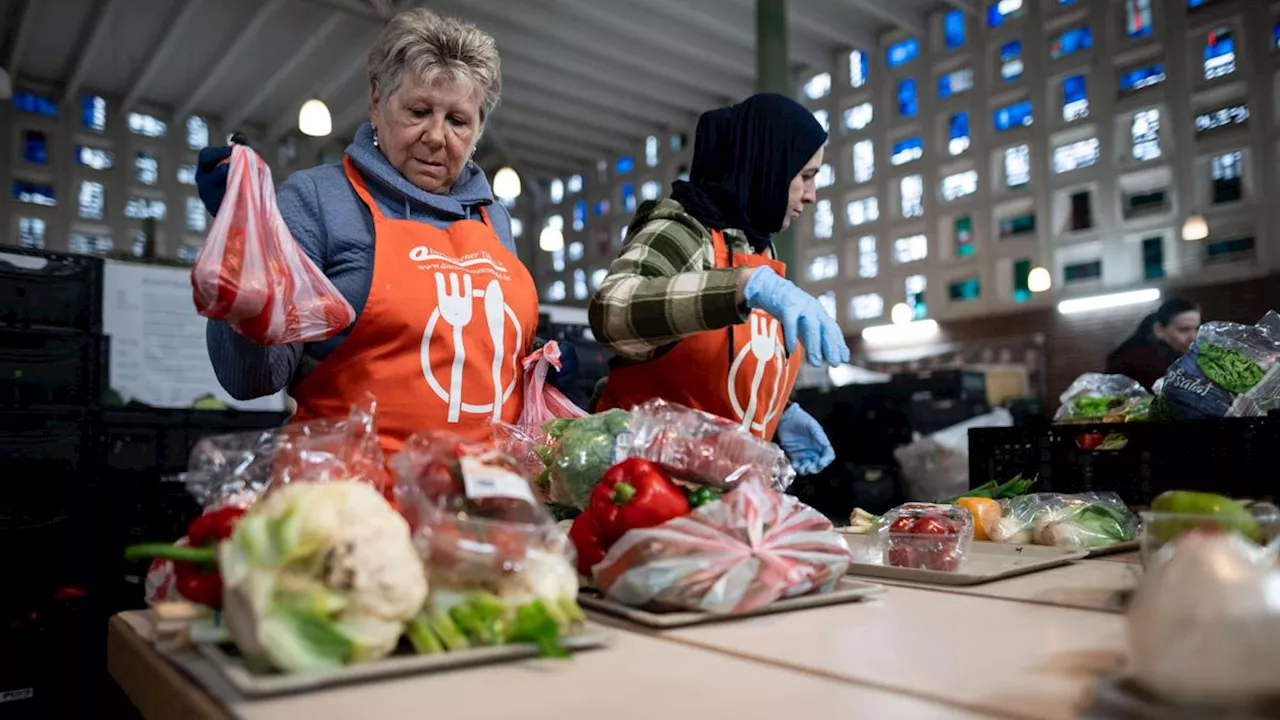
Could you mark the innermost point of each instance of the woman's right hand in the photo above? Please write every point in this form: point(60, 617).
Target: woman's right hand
point(211, 174)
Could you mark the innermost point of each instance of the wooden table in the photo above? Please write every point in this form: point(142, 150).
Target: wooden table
point(638, 678)
point(1099, 584)
point(1007, 659)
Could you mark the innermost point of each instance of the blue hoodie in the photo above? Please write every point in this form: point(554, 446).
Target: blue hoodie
point(334, 228)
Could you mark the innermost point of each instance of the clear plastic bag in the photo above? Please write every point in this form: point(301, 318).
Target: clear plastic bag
point(236, 469)
point(1095, 397)
point(479, 528)
point(702, 448)
point(1076, 522)
point(578, 452)
point(251, 272)
point(924, 536)
point(1227, 361)
point(739, 553)
point(542, 401)
point(937, 466)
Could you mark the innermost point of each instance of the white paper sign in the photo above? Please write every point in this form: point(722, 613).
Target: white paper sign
point(487, 481)
point(158, 352)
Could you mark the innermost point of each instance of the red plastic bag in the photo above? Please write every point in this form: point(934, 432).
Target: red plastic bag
point(740, 553)
point(542, 401)
point(252, 274)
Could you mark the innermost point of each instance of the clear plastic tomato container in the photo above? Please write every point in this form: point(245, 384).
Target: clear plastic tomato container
point(923, 536)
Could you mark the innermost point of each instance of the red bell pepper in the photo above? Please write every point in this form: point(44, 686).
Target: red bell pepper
point(634, 494)
point(195, 565)
point(585, 537)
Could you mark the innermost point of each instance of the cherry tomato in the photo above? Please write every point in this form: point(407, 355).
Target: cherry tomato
point(944, 560)
point(445, 552)
point(1089, 441)
point(902, 525)
point(508, 545)
point(902, 556)
point(437, 480)
point(933, 525)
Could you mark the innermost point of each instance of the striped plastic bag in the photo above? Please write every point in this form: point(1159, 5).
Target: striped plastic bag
point(252, 274)
point(542, 401)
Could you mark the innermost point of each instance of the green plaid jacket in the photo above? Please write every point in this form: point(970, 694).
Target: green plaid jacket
point(664, 286)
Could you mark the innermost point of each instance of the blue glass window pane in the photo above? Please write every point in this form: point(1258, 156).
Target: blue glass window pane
point(1011, 64)
point(1071, 42)
point(953, 29)
point(901, 53)
point(35, 148)
point(907, 103)
point(1142, 77)
point(30, 102)
point(1012, 116)
point(625, 164)
point(960, 125)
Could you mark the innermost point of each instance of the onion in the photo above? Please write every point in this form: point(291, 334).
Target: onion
point(1204, 625)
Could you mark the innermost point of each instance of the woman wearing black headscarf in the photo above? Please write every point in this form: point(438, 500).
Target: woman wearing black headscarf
point(697, 309)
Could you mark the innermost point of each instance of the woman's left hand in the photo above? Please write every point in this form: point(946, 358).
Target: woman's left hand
point(804, 441)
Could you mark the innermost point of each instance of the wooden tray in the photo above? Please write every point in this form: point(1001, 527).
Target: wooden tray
point(846, 590)
point(1120, 547)
point(985, 562)
point(232, 667)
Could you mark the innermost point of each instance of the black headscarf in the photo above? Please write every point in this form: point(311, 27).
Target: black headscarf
point(744, 158)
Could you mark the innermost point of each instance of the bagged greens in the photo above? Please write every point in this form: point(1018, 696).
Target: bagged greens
point(1226, 373)
point(1095, 397)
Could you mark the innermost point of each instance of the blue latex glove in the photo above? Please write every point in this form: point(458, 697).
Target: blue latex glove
point(801, 315)
point(211, 174)
point(804, 441)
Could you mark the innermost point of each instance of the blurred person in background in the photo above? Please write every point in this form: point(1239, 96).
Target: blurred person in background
point(440, 335)
point(697, 309)
point(1161, 338)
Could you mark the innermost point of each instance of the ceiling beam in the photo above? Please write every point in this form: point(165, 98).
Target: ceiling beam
point(896, 13)
point(232, 53)
point(551, 164)
point(719, 27)
point(839, 26)
point(517, 96)
point(832, 24)
point(326, 89)
point(98, 30)
point(602, 98)
point(969, 6)
point(522, 139)
point(160, 52)
point(270, 88)
point(567, 32)
point(19, 46)
point(672, 39)
point(522, 52)
point(511, 117)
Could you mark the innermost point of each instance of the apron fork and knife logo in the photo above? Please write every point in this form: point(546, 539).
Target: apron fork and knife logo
point(455, 305)
point(765, 345)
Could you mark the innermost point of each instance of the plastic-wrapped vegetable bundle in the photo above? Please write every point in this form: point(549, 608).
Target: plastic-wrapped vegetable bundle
point(578, 452)
point(496, 561)
point(702, 448)
point(1095, 397)
point(1076, 522)
point(1228, 361)
point(251, 272)
point(742, 552)
point(236, 469)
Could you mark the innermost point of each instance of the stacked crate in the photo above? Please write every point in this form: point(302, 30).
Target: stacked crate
point(52, 370)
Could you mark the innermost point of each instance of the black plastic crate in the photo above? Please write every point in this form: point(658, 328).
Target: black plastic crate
point(43, 289)
point(51, 368)
point(1232, 456)
point(50, 458)
point(942, 385)
point(929, 415)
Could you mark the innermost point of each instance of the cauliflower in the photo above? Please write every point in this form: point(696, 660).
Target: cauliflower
point(318, 575)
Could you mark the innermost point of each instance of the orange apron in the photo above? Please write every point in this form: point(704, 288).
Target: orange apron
point(450, 315)
point(741, 372)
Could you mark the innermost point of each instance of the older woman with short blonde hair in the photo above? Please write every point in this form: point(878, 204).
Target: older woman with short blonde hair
point(408, 231)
